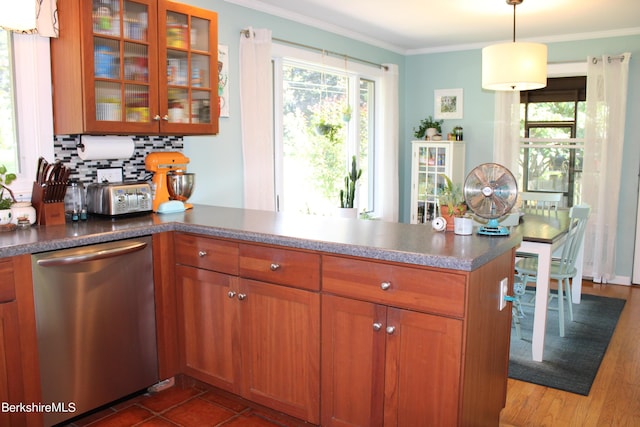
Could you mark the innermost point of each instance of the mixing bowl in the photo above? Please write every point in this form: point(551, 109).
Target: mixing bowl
point(180, 185)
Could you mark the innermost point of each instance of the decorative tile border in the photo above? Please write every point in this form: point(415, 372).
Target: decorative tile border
point(133, 168)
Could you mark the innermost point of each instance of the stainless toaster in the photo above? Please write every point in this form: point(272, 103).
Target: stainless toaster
point(119, 198)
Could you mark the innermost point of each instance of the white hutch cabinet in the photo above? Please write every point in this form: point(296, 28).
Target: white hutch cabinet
point(429, 161)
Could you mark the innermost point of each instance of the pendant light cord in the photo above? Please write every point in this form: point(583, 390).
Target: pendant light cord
point(514, 22)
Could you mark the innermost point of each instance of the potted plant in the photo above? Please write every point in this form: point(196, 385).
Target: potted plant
point(428, 128)
point(6, 202)
point(348, 194)
point(452, 203)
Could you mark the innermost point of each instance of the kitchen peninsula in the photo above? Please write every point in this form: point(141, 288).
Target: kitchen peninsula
point(309, 315)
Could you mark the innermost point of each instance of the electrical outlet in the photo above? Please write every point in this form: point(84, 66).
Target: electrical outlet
point(110, 175)
point(504, 288)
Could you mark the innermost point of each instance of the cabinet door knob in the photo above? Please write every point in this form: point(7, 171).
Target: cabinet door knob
point(165, 117)
point(377, 326)
point(391, 329)
point(202, 253)
point(231, 294)
point(385, 285)
point(156, 117)
point(274, 266)
point(242, 297)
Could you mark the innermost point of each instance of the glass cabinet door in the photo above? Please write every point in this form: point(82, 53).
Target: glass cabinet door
point(123, 57)
point(189, 56)
point(432, 165)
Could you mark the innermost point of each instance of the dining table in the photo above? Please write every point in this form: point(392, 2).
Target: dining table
point(542, 235)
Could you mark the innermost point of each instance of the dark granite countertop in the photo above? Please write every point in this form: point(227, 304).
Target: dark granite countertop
point(405, 243)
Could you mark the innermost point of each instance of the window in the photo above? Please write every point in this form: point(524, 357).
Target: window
point(26, 113)
point(552, 132)
point(8, 139)
point(325, 115)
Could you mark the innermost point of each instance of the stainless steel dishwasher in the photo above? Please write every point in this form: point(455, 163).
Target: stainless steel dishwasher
point(96, 326)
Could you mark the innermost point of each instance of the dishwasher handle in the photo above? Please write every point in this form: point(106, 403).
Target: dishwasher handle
point(92, 255)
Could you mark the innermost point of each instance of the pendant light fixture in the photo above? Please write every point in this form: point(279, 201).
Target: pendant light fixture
point(515, 65)
point(20, 16)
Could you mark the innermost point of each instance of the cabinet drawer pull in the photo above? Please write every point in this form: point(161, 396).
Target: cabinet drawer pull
point(274, 266)
point(242, 297)
point(231, 294)
point(391, 329)
point(202, 253)
point(385, 285)
point(377, 326)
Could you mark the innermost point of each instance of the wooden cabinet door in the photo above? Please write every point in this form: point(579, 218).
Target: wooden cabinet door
point(387, 366)
point(11, 386)
point(119, 57)
point(281, 348)
point(353, 359)
point(188, 65)
point(208, 326)
point(422, 373)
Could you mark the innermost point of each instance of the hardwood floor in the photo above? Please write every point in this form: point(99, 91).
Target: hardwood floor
point(614, 399)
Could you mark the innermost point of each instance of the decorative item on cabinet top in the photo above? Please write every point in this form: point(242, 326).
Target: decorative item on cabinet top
point(428, 129)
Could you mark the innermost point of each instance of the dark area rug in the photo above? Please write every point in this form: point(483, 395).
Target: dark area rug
point(570, 363)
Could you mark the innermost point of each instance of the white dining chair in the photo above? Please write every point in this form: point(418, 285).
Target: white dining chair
point(540, 202)
point(563, 269)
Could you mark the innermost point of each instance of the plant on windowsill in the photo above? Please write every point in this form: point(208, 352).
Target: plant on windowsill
point(348, 194)
point(5, 202)
point(426, 124)
point(5, 180)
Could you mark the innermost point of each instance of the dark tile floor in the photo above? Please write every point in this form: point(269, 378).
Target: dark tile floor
point(188, 403)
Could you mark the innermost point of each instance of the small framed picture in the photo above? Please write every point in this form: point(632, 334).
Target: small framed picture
point(448, 103)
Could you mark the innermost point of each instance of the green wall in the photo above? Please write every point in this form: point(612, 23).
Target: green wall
point(217, 160)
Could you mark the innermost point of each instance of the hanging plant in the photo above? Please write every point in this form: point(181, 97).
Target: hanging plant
point(328, 130)
point(346, 113)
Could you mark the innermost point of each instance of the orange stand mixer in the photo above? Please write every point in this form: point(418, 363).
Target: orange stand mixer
point(170, 181)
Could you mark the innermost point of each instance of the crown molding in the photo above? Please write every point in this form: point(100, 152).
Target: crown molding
point(335, 29)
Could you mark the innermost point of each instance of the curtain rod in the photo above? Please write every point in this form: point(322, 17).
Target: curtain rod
point(609, 58)
point(246, 33)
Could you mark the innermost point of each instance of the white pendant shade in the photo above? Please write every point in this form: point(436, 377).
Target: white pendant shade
point(514, 66)
point(20, 15)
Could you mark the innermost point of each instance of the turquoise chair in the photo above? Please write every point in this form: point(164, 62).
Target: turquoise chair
point(563, 269)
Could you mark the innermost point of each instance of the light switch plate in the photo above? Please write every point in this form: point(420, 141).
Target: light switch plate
point(503, 289)
point(110, 175)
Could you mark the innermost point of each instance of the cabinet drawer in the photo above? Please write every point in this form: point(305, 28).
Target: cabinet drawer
point(207, 253)
point(7, 284)
point(413, 288)
point(283, 266)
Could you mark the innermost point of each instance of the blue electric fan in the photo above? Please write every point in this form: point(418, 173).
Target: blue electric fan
point(490, 191)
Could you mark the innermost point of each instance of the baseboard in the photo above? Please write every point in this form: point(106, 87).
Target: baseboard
point(617, 280)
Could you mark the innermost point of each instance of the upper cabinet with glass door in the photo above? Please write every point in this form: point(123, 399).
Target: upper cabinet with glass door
point(111, 68)
point(188, 69)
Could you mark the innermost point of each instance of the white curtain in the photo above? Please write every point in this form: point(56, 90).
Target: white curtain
point(256, 116)
point(389, 146)
point(607, 78)
point(31, 17)
point(506, 130)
